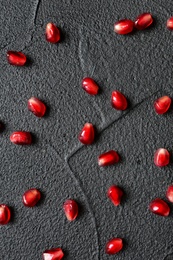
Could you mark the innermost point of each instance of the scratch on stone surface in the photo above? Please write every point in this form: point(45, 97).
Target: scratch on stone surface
point(36, 11)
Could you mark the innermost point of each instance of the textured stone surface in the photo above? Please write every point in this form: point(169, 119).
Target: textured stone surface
point(139, 65)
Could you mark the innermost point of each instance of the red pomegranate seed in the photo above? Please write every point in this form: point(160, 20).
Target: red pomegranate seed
point(161, 157)
point(31, 197)
point(52, 33)
point(108, 158)
point(159, 207)
point(90, 86)
point(114, 194)
point(114, 246)
point(169, 193)
point(124, 26)
point(143, 21)
point(5, 214)
point(87, 134)
point(36, 106)
point(118, 100)
point(53, 254)
point(21, 138)
point(71, 209)
point(16, 58)
point(162, 104)
point(170, 23)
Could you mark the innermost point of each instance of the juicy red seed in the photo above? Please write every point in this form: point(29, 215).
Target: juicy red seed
point(169, 193)
point(143, 21)
point(114, 194)
point(118, 100)
point(161, 157)
point(5, 214)
point(52, 33)
point(53, 254)
point(108, 158)
point(36, 106)
point(16, 58)
point(87, 134)
point(162, 104)
point(90, 86)
point(70, 209)
point(170, 23)
point(31, 197)
point(21, 138)
point(124, 26)
point(114, 246)
point(159, 207)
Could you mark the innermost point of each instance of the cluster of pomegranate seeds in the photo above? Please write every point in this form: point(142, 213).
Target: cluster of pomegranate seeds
point(70, 209)
point(170, 23)
point(37, 107)
point(115, 194)
point(90, 86)
point(159, 207)
point(169, 193)
point(108, 158)
point(52, 33)
point(31, 197)
point(53, 254)
point(21, 138)
point(87, 134)
point(5, 214)
point(113, 246)
point(118, 101)
point(143, 21)
point(16, 58)
point(162, 104)
point(161, 157)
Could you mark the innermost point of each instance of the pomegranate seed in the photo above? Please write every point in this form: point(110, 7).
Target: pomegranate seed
point(118, 100)
point(21, 138)
point(16, 58)
point(114, 246)
point(90, 86)
point(52, 33)
point(124, 26)
point(31, 197)
point(108, 158)
point(162, 104)
point(169, 193)
point(161, 157)
point(170, 23)
point(159, 207)
point(36, 106)
point(86, 136)
point(114, 194)
point(5, 214)
point(143, 21)
point(53, 254)
point(71, 209)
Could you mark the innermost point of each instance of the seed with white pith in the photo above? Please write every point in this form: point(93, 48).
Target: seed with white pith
point(161, 157)
point(70, 209)
point(52, 33)
point(124, 26)
point(108, 158)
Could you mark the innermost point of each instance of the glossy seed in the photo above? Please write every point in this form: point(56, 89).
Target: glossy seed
point(53, 254)
point(118, 101)
point(124, 26)
point(52, 33)
point(5, 214)
point(114, 246)
point(143, 21)
point(90, 86)
point(70, 209)
point(170, 23)
point(31, 197)
point(108, 158)
point(161, 157)
point(16, 58)
point(21, 138)
point(159, 207)
point(37, 107)
point(162, 104)
point(169, 193)
point(87, 134)
point(115, 194)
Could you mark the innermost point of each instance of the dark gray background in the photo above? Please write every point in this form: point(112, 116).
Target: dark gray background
point(139, 65)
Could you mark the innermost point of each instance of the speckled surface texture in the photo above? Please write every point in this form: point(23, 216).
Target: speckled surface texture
point(139, 65)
